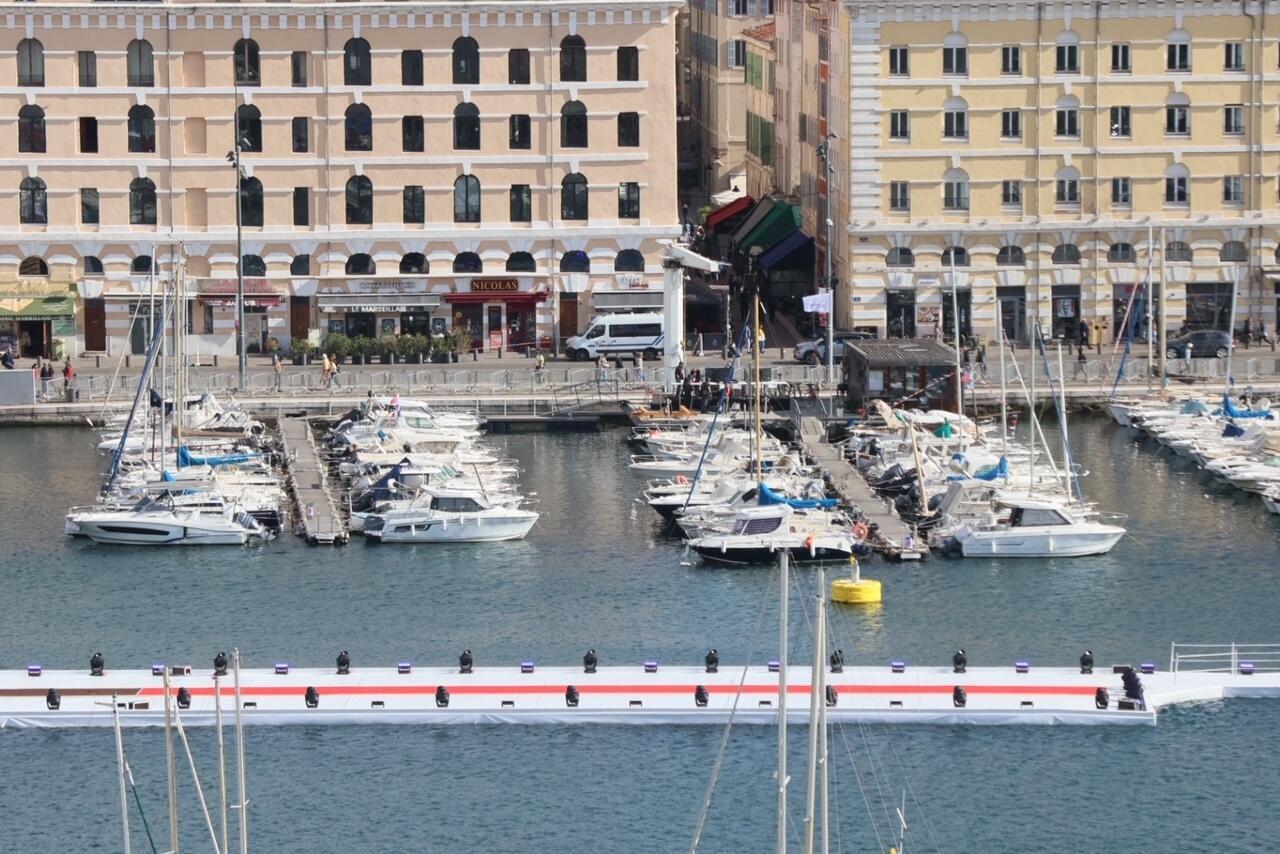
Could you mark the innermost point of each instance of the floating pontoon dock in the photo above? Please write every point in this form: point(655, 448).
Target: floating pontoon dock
point(643, 693)
point(318, 518)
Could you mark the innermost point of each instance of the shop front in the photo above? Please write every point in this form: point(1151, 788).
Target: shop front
point(497, 314)
point(212, 320)
point(1130, 304)
point(1209, 305)
point(1012, 300)
point(901, 313)
point(37, 322)
point(1066, 312)
point(374, 308)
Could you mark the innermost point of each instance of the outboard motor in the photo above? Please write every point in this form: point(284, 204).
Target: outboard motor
point(312, 697)
point(344, 663)
point(96, 663)
point(184, 698)
point(220, 664)
point(713, 661)
point(589, 662)
point(465, 661)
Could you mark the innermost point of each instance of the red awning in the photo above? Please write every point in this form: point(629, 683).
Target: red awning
point(737, 206)
point(511, 297)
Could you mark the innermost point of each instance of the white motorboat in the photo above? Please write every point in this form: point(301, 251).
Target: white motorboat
point(1037, 529)
point(760, 532)
point(159, 522)
point(452, 516)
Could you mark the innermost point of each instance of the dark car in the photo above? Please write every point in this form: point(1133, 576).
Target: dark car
point(1204, 344)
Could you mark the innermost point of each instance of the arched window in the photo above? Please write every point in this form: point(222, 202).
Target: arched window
point(1011, 256)
point(357, 64)
point(33, 205)
point(359, 125)
point(521, 262)
point(33, 266)
point(251, 202)
point(899, 256)
point(248, 69)
point(1233, 251)
point(413, 262)
point(141, 264)
point(466, 127)
point(573, 60)
point(359, 201)
point(31, 136)
point(1178, 251)
point(1066, 253)
point(1121, 253)
point(93, 266)
point(252, 265)
point(300, 265)
point(142, 129)
point(1066, 186)
point(361, 264)
point(573, 125)
point(142, 202)
point(955, 190)
point(466, 62)
point(466, 199)
point(30, 63)
point(1177, 185)
point(141, 63)
point(575, 261)
point(628, 261)
point(573, 196)
point(955, 254)
point(467, 262)
point(249, 127)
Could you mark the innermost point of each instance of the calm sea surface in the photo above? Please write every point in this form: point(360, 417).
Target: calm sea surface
point(1200, 566)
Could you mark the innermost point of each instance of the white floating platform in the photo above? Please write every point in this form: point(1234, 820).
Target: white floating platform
point(613, 695)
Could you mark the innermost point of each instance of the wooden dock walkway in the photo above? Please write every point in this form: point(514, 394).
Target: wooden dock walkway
point(891, 536)
point(308, 478)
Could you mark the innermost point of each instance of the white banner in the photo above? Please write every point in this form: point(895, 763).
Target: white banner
point(818, 302)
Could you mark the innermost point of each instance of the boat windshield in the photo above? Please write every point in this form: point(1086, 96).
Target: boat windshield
point(1029, 517)
point(758, 525)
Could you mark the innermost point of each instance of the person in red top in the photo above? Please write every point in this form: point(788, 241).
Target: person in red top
point(68, 377)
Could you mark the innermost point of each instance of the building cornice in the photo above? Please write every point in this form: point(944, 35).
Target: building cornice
point(866, 228)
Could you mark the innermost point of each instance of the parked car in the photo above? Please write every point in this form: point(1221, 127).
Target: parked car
point(1203, 344)
point(815, 352)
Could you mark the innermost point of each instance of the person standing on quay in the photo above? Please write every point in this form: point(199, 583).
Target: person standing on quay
point(69, 379)
point(326, 370)
point(277, 367)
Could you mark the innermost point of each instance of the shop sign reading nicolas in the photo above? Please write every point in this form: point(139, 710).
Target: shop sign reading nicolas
point(495, 286)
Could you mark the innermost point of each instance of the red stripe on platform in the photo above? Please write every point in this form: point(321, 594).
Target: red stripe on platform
point(460, 689)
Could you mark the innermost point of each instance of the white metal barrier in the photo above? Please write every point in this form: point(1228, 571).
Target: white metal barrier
point(1224, 658)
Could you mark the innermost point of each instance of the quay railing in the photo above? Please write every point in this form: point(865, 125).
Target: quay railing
point(1224, 658)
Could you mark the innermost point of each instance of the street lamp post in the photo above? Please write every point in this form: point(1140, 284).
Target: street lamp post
point(829, 167)
point(233, 157)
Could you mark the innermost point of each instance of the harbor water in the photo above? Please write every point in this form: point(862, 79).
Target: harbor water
point(1199, 565)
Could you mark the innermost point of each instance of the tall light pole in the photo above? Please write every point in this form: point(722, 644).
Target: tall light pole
point(828, 161)
point(233, 157)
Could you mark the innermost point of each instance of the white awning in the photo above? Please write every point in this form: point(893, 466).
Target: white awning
point(620, 300)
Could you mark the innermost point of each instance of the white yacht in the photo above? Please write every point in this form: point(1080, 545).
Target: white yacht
point(452, 516)
point(759, 533)
point(1036, 529)
point(158, 521)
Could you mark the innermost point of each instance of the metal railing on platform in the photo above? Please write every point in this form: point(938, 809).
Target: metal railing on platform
point(1224, 658)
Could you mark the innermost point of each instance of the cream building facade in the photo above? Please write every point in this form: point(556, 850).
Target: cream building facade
point(406, 167)
point(760, 71)
point(1050, 159)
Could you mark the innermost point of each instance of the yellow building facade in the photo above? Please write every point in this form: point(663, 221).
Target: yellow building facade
point(1048, 160)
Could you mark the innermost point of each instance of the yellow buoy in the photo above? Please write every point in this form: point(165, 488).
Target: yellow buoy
point(859, 591)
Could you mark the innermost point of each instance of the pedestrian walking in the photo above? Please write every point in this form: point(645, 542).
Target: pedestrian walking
point(46, 378)
point(602, 369)
point(982, 360)
point(640, 368)
point(1080, 371)
point(277, 367)
point(326, 370)
point(333, 373)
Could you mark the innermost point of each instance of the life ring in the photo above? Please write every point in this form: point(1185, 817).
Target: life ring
point(860, 530)
point(681, 479)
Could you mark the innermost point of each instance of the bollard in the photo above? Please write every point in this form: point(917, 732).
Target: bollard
point(97, 361)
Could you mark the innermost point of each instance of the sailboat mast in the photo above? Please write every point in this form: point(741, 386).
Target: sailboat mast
point(755, 352)
point(124, 798)
point(1004, 399)
point(1031, 404)
point(784, 565)
point(222, 762)
point(243, 795)
point(1150, 268)
point(1231, 332)
point(955, 322)
point(168, 757)
point(815, 702)
point(1062, 411)
point(824, 785)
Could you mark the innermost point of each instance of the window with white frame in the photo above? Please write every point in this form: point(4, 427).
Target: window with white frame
point(1011, 124)
point(1177, 115)
point(1178, 51)
point(1233, 190)
point(1067, 118)
point(738, 7)
point(955, 190)
point(899, 62)
point(1176, 185)
point(737, 53)
point(1121, 123)
point(899, 196)
point(955, 54)
point(1066, 187)
point(1067, 54)
point(1011, 194)
point(1233, 56)
point(1233, 119)
point(1011, 59)
point(899, 124)
point(955, 119)
point(1121, 192)
point(1120, 62)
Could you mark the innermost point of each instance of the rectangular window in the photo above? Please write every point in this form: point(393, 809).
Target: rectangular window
point(1175, 191)
point(1067, 59)
point(1011, 59)
point(301, 206)
point(88, 135)
point(628, 63)
point(955, 195)
point(899, 62)
point(89, 206)
point(1177, 121)
point(737, 53)
point(899, 125)
point(955, 60)
point(1121, 192)
point(955, 124)
point(87, 63)
point(1120, 59)
point(518, 66)
point(1011, 124)
point(1233, 56)
point(1233, 190)
point(415, 205)
point(738, 8)
point(1067, 123)
point(1178, 56)
point(1233, 119)
point(411, 68)
point(1067, 191)
point(629, 200)
point(521, 203)
point(301, 135)
point(1121, 125)
point(412, 133)
point(628, 130)
point(298, 67)
point(1011, 194)
point(899, 196)
point(519, 135)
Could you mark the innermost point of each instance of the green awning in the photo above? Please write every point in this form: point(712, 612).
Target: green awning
point(13, 307)
point(776, 224)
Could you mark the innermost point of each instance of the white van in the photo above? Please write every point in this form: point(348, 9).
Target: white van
point(618, 333)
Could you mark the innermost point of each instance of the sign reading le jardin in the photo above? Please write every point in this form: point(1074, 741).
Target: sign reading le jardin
point(494, 286)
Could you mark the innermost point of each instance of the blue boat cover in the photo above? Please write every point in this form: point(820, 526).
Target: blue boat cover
point(1229, 410)
point(186, 458)
point(383, 489)
point(768, 497)
point(1232, 431)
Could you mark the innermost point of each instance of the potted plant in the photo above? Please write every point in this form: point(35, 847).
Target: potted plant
point(337, 345)
point(301, 350)
point(363, 347)
point(461, 342)
point(441, 346)
point(411, 348)
point(388, 347)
